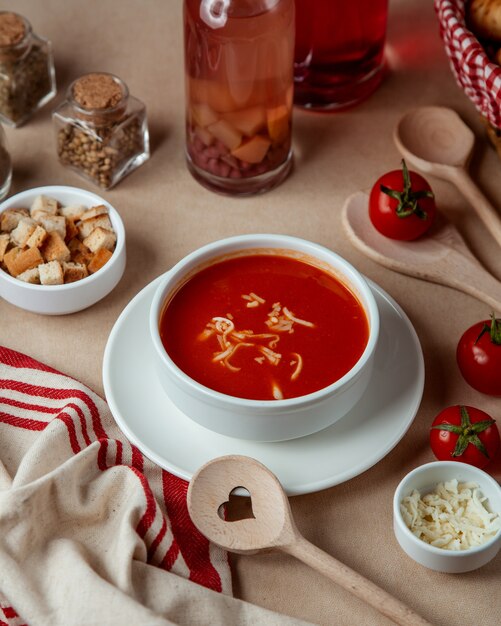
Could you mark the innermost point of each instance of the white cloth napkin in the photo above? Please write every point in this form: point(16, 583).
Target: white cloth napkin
point(91, 532)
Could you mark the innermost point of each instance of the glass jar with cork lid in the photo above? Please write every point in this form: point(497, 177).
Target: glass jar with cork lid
point(27, 77)
point(102, 131)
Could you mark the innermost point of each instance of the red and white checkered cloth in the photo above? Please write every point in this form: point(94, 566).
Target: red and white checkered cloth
point(479, 78)
point(84, 506)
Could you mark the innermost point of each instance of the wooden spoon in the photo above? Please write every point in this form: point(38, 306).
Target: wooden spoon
point(438, 142)
point(272, 527)
point(441, 256)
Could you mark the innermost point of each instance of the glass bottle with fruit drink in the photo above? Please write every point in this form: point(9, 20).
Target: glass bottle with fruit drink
point(239, 91)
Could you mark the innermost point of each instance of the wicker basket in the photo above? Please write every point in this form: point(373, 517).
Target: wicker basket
point(479, 78)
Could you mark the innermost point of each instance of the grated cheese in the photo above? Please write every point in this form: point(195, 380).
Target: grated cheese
point(281, 319)
point(298, 362)
point(253, 300)
point(230, 340)
point(277, 392)
point(452, 517)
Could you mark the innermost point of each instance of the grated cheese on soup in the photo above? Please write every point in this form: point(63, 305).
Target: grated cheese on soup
point(452, 517)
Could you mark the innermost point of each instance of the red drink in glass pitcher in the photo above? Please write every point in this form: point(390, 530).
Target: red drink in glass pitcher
point(239, 84)
point(338, 58)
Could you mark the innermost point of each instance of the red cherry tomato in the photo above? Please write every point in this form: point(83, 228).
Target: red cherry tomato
point(479, 356)
point(402, 205)
point(466, 434)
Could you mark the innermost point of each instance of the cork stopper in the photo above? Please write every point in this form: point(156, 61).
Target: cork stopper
point(97, 91)
point(12, 29)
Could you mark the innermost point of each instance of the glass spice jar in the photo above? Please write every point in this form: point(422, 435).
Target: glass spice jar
point(5, 166)
point(239, 88)
point(102, 131)
point(27, 77)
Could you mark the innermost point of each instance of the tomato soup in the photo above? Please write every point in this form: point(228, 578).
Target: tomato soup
point(264, 327)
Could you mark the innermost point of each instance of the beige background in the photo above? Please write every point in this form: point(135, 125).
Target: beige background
point(167, 215)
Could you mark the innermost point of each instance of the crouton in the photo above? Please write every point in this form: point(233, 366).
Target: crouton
point(94, 212)
point(54, 248)
point(44, 205)
point(79, 252)
point(20, 261)
point(51, 244)
point(82, 257)
point(37, 237)
point(75, 245)
point(74, 271)
point(86, 227)
point(22, 232)
point(10, 260)
point(54, 223)
point(4, 243)
point(51, 273)
point(72, 212)
point(30, 276)
point(11, 218)
point(101, 257)
point(100, 238)
point(71, 230)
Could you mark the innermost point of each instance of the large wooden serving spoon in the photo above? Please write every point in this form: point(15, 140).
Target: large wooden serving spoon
point(438, 142)
point(441, 256)
point(272, 527)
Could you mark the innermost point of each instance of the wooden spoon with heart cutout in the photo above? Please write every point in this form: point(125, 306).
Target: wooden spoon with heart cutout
point(438, 142)
point(439, 257)
point(272, 527)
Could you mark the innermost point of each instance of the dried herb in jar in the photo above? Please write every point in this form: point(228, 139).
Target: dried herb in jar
point(27, 78)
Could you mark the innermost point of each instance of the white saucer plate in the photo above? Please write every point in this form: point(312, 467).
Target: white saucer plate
point(363, 437)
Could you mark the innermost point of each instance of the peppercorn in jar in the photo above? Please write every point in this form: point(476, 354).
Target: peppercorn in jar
point(102, 132)
point(27, 77)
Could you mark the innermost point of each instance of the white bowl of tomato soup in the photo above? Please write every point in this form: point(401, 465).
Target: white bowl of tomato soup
point(264, 337)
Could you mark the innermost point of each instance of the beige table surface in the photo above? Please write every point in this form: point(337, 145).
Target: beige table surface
point(167, 214)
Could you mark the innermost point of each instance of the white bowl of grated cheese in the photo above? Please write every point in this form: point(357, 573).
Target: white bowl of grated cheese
point(447, 516)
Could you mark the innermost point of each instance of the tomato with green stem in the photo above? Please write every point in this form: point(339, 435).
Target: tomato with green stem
point(478, 356)
point(466, 434)
point(402, 205)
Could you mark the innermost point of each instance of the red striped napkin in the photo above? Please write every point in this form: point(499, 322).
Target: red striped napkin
point(70, 481)
point(479, 78)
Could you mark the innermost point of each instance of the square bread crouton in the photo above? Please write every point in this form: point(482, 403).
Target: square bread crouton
point(100, 238)
point(18, 261)
point(86, 227)
point(54, 248)
point(10, 260)
point(43, 204)
point(4, 242)
point(94, 212)
point(71, 230)
point(75, 245)
point(54, 223)
point(22, 232)
point(37, 237)
point(101, 257)
point(11, 218)
point(72, 212)
point(74, 271)
point(30, 276)
point(51, 273)
point(79, 252)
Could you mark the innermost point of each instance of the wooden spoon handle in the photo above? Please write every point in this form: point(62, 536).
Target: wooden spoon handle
point(479, 284)
point(350, 580)
point(482, 206)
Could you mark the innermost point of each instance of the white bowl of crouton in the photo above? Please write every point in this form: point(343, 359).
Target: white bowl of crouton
point(62, 249)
